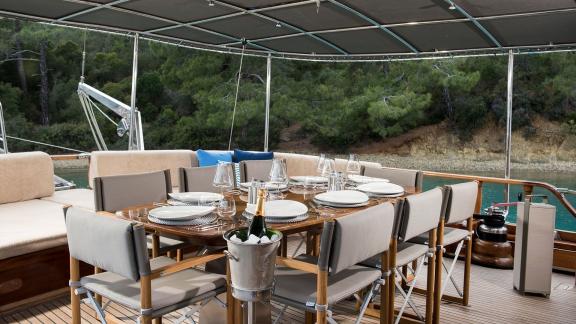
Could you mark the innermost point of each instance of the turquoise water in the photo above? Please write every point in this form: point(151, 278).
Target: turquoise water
point(491, 192)
point(495, 192)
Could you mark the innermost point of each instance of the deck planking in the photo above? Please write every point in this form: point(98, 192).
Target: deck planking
point(492, 300)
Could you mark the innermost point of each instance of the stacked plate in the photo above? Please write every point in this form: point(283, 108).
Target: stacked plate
point(244, 186)
point(309, 180)
point(342, 198)
point(280, 211)
point(182, 215)
point(194, 198)
point(360, 179)
point(381, 189)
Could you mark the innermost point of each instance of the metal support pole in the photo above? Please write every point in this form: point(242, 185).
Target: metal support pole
point(509, 122)
point(267, 118)
point(134, 138)
point(4, 148)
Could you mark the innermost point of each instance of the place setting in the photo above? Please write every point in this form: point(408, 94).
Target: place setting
point(280, 211)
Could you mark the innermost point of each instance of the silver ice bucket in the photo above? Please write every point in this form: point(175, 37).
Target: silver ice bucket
point(252, 267)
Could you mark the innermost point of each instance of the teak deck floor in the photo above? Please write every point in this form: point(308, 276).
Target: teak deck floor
point(493, 300)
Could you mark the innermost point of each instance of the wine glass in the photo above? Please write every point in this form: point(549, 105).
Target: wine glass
point(320, 165)
point(224, 176)
point(353, 166)
point(278, 176)
point(328, 167)
point(226, 208)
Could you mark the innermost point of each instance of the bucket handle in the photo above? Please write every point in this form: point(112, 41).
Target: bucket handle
point(230, 255)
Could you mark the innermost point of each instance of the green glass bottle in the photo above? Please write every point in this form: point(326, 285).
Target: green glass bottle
point(258, 224)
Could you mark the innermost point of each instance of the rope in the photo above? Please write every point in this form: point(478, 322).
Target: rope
point(45, 144)
point(236, 97)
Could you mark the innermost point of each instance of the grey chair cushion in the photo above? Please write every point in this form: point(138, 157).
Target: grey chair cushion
point(421, 213)
point(104, 242)
point(166, 291)
point(198, 179)
point(257, 169)
point(402, 177)
point(114, 193)
point(361, 235)
point(461, 201)
point(451, 236)
point(300, 287)
point(406, 253)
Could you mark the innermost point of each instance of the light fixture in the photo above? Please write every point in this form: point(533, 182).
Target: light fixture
point(211, 3)
point(452, 6)
point(278, 24)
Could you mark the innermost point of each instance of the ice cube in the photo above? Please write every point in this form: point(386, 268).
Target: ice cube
point(264, 239)
point(274, 238)
point(235, 238)
point(252, 239)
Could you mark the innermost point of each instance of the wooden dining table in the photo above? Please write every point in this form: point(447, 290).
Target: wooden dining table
point(204, 236)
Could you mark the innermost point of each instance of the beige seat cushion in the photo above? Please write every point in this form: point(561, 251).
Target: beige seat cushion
point(166, 291)
point(25, 176)
point(112, 163)
point(302, 165)
point(406, 253)
point(30, 226)
point(81, 198)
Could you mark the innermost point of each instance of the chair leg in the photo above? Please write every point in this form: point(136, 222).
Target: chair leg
point(75, 299)
point(367, 300)
point(409, 293)
point(449, 272)
point(157, 320)
point(467, 269)
point(309, 318)
point(179, 255)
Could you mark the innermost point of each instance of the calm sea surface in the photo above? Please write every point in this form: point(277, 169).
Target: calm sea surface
point(492, 192)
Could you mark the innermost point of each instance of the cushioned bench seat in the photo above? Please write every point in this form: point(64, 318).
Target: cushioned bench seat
point(81, 198)
point(30, 226)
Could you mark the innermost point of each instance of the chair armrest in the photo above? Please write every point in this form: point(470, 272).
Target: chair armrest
point(183, 265)
point(297, 264)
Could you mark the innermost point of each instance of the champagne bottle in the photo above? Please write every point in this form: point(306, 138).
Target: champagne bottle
point(258, 224)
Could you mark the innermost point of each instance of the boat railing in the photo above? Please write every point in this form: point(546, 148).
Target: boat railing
point(528, 187)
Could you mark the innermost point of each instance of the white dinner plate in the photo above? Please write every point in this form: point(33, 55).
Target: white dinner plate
point(332, 204)
point(196, 196)
point(381, 188)
point(280, 209)
point(268, 185)
point(359, 179)
point(309, 179)
point(342, 197)
point(175, 213)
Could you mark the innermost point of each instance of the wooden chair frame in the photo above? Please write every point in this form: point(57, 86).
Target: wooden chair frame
point(145, 286)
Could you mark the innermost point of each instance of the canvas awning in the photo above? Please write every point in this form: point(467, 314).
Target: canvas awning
point(325, 29)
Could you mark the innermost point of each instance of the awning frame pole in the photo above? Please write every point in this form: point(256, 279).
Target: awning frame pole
point(3, 131)
point(135, 141)
point(267, 118)
point(509, 122)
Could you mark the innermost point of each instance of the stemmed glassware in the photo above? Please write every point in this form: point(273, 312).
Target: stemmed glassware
point(278, 176)
point(353, 165)
point(320, 165)
point(224, 176)
point(226, 208)
point(328, 167)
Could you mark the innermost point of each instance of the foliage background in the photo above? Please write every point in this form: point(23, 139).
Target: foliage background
point(186, 96)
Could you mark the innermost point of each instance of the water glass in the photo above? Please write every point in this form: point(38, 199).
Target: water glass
point(353, 165)
point(320, 165)
point(224, 177)
point(278, 175)
point(226, 208)
point(336, 181)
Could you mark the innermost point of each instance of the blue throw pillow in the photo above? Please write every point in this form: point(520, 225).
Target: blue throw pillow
point(240, 155)
point(209, 158)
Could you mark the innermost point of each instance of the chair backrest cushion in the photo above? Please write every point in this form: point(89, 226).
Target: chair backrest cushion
point(305, 165)
point(257, 169)
point(25, 176)
point(114, 193)
point(402, 177)
point(198, 179)
point(101, 241)
point(361, 235)
point(421, 213)
point(113, 163)
point(461, 201)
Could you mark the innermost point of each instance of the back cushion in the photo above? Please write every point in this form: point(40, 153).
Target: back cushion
point(240, 155)
point(421, 213)
point(114, 193)
point(210, 158)
point(259, 170)
point(104, 242)
point(25, 176)
point(462, 201)
point(111, 163)
point(402, 177)
point(361, 235)
point(198, 179)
